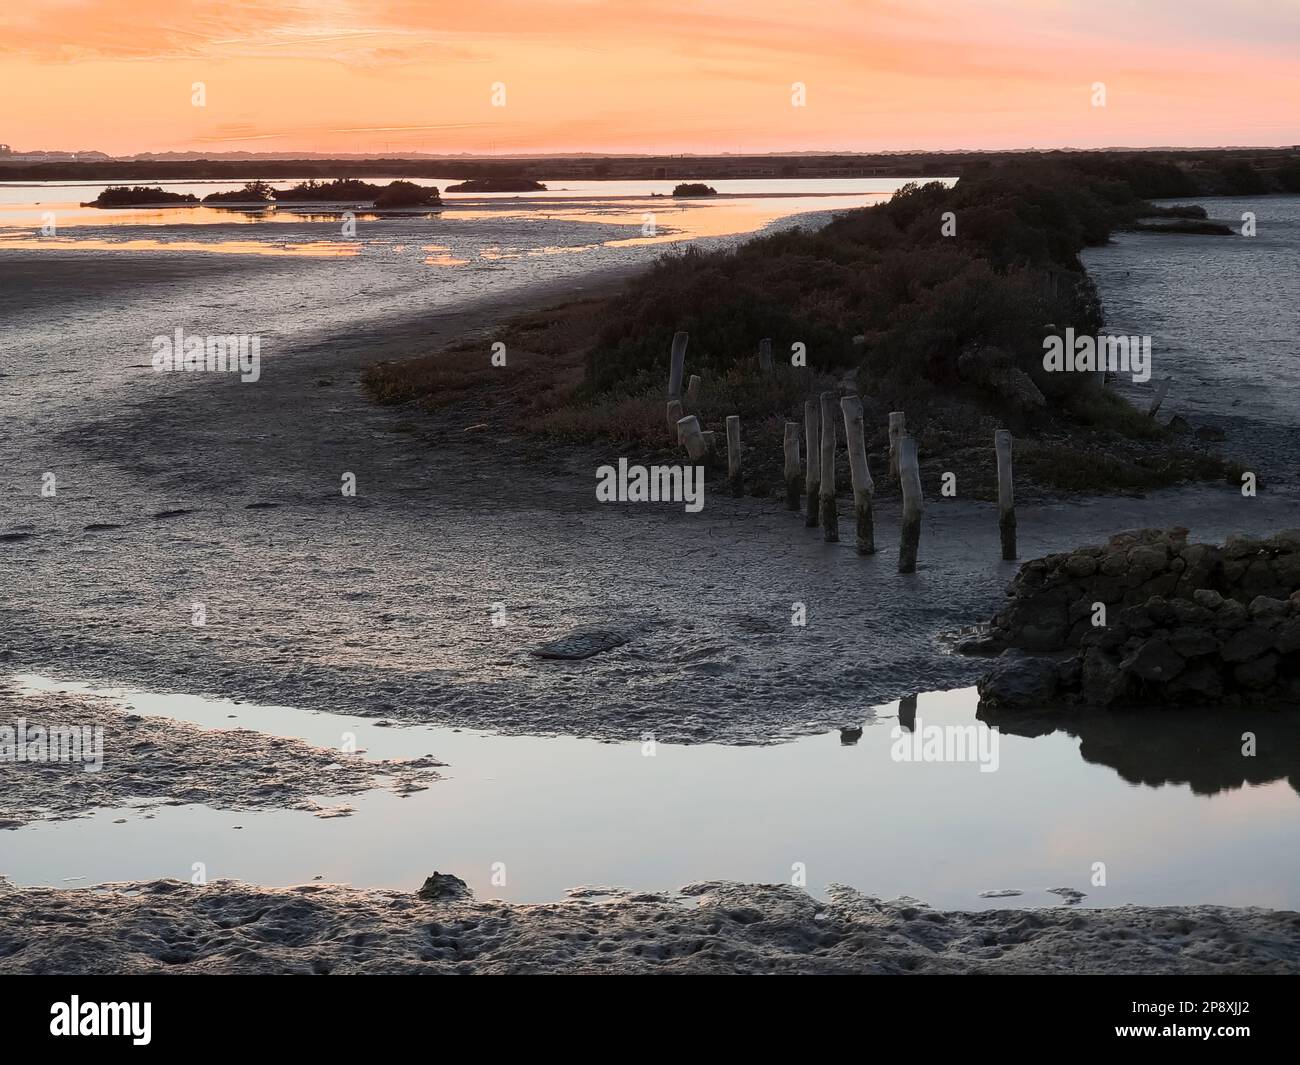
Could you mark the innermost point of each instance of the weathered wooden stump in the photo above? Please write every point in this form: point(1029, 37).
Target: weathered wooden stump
point(1006, 494)
point(896, 431)
point(830, 516)
point(813, 478)
point(678, 365)
point(688, 429)
point(792, 471)
point(863, 488)
point(733, 455)
point(693, 392)
point(675, 414)
point(909, 475)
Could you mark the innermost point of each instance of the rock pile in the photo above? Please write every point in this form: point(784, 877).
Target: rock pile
point(1151, 618)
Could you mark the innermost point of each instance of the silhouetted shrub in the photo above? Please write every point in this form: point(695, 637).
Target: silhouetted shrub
point(407, 194)
point(498, 184)
point(341, 190)
point(252, 192)
point(914, 292)
point(139, 195)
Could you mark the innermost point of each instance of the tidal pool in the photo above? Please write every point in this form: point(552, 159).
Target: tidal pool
point(1168, 803)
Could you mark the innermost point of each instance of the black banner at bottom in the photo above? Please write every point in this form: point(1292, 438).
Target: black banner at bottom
point(229, 1013)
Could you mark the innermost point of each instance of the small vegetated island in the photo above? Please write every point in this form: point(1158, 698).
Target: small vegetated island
point(407, 194)
point(396, 194)
point(697, 188)
point(498, 185)
point(141, 196)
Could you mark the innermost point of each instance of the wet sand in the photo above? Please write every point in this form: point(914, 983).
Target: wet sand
point(719, 928)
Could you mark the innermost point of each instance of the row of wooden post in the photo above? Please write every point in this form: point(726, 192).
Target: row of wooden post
point(819, 476)
point(819, 481)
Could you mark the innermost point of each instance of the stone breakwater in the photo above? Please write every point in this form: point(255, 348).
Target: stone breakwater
point(1150, 618)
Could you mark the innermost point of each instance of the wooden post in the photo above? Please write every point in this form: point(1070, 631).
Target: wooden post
point(1006, 494)
point(733, 454)
point(688, 429)
point(896, 431)
point(830, 516)
point(1161, 390)
point(765, 356)
point(675, 413)
point(693, 392)
point(909, 476)
point(863, 489)
point(678, 365)
point(792, 472)
point(907, 712)
point(812, 441)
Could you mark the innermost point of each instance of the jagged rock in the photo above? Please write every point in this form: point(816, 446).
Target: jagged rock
point(1080, 565)
point(1154, 660)
point(1102, 681)
point(1113, 564)
point(1188, 613)
point(1190, 642)
point(443, 887)
point(1043, 631)
point(1159, 610)
point(1287, 569)
point(1208, 598)
point(1187, 622)
point(1018, 681)
point(1201, 563)
point(1238, 546)
point(1198, 683)
point(1232, 615)
point(1145, 563)
point(1264, 609)
point(980, 645)
point(1247, 644)
point(1258, 579)
point(1137, 619)
point(1257, 674)
point(1287, 540)
point(1287, 636)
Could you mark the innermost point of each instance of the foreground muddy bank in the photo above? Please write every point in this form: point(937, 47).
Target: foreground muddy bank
point(228, 927)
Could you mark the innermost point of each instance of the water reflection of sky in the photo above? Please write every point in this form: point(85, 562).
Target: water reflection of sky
point(563, 812)
point(624, 214)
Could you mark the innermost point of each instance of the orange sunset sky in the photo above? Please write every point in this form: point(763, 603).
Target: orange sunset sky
point(653, 76)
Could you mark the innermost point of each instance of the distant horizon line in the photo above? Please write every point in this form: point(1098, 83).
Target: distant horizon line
point(70, 155)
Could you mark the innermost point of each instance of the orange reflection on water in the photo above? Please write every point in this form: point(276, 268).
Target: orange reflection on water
point(320, 249)
point(664, 220)
point(71, 214)
point(443, 257)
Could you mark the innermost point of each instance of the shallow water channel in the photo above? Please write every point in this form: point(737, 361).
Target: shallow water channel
point(1168, 803)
